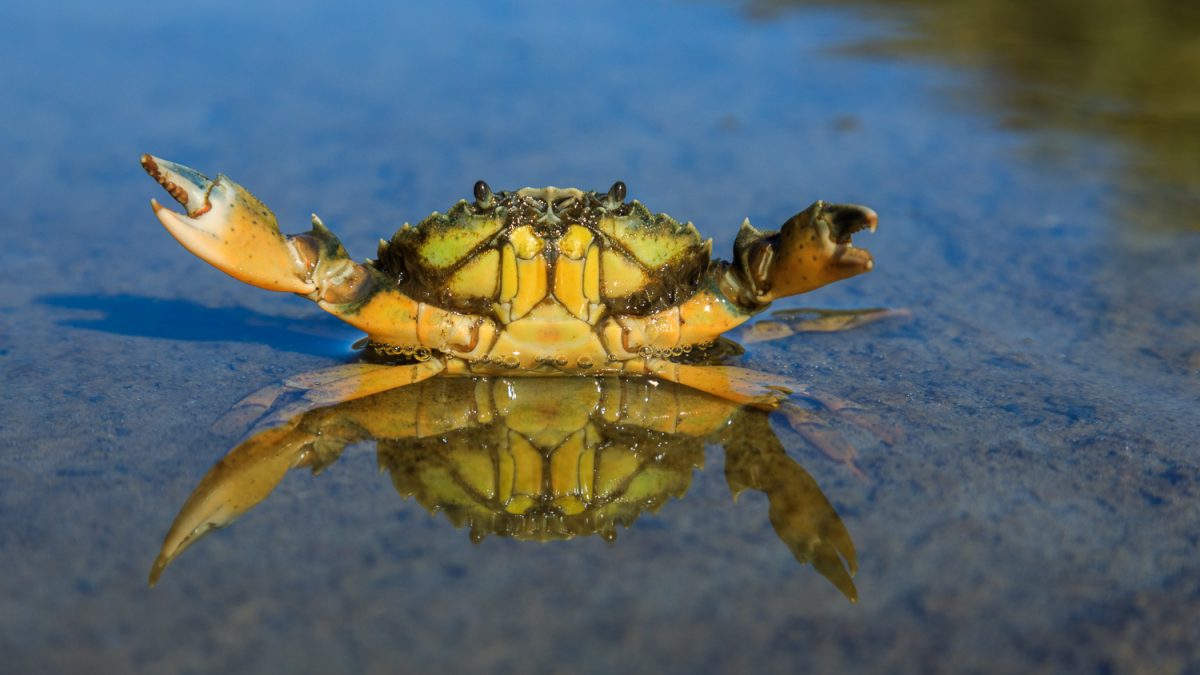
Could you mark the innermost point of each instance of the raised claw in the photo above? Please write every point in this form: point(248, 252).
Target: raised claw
point(812, 249)
point(229, 228)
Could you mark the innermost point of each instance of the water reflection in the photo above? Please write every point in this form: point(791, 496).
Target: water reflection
point(537, 459)
point(1125, 70)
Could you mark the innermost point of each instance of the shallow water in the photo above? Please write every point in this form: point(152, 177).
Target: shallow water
point(1039, 511)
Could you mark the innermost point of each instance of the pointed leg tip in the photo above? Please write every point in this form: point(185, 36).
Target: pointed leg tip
point(160, 565)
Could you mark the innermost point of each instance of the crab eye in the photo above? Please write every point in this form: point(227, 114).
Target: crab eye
point(616, 194)
point(483, 195)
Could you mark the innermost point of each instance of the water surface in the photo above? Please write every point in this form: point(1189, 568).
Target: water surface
point(1038, 513)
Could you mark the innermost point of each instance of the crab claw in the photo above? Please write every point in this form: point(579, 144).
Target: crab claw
point(228, 227)
point(800, 513)
point(811, 250)
point(236, 484)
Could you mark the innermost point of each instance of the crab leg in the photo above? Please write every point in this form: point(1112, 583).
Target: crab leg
point(232, 487)
point(800, 513)
point(740, 385)
point(786, 323)
point(321, 388)
point(339, 387)
point(818, 432)
point(252, 470)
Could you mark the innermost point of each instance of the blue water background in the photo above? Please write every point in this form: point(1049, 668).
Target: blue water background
point(1040, 513)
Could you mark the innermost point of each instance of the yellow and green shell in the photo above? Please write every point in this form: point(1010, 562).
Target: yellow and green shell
point(506, 254)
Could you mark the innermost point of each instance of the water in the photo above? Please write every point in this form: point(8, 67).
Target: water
point(1038, 512)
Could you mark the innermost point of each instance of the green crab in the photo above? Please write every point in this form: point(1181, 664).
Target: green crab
point(531, 282)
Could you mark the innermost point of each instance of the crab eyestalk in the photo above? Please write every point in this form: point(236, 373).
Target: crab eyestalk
point(229, 228)
point(811, 250)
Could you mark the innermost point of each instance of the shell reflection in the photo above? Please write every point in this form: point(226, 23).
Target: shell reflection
point(532, 458)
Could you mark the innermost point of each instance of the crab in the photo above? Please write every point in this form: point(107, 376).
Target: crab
point(531, 282)
point(533, 460)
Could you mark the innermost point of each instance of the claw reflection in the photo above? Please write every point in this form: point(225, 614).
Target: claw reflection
point(532, 458)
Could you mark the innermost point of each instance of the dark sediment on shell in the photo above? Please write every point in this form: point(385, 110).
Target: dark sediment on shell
point(672, 283)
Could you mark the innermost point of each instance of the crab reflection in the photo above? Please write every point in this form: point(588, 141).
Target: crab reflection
point(534, 458)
